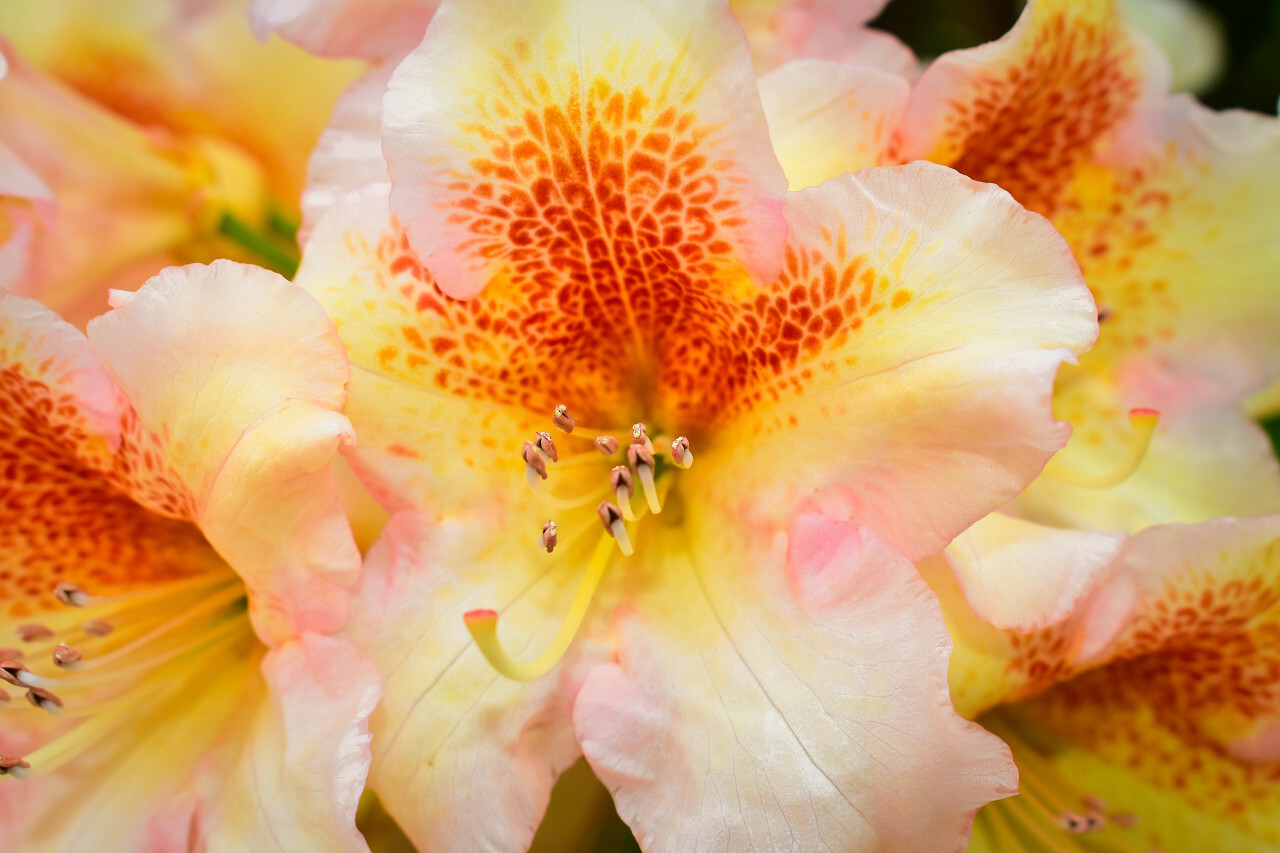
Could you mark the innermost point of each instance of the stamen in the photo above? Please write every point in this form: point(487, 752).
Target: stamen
point(1104, 313)
point(624, 488)
point(11, 654)
point(611, 516)
point(66, 656)
point(4, 696)
point(546, 446)
point(1073, 822)
point(44, 699)
point(1124, 820)
point(10, 670)
point(533, 461)
point(641, 460)
point(9, 764)
point(640, 435)
point(563, 418)
point(483, 625)
point(607, 444)
point(680, 453)
point(32, 632)
point(1142, 423)
point(71, 595)
point(550, 535)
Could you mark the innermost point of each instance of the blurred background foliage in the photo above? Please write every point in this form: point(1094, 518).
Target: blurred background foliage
point(1227, 52)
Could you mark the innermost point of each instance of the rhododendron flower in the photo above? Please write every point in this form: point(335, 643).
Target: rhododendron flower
point(1167, 207)
point(1148, 717)
point(172, 557)
point(665, 452)
point(160, 133)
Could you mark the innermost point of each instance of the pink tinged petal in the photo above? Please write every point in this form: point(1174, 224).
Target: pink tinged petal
point(906, 383)
point(465, 759)
point(303, 768)
point(360, 29)
point(348, 154)
point(812, 714)
point(1020, 576)
point(238, 377)
point(781, 32)
point(525, 137)
point(828, 118)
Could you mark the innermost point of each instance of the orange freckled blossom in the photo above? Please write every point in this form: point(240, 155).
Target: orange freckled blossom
point(661, 437)
point(173, 560)
point(152, 133)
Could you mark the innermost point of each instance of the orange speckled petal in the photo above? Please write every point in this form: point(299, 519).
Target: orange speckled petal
point(60, 516)
point(1174, 234)
point(828, 118)
point(614, 143)
point(899, 372)
point(237, 377)
point(1025, 112)
point(1180, 726)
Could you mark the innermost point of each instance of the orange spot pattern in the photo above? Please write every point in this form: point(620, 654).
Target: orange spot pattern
point(1034, 120)
point(62, 520)
point(704, 354)
point(1205, 653)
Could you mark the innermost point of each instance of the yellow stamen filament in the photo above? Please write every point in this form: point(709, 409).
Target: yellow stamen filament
point(544, 494)
point(1142, 426)
point(619, 531)
point(650, 490)
point(483, 624)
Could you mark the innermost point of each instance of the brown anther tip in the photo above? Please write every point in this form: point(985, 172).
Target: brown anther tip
point(1104, 313)
point(1094, 821)
point(8, 764)
point(70, 594)
point(607, 444)
point(550, 535)
point(563, 418)
point(620, 479)
point(638, 454)
point(531, 458)
point(4, 696)
point(1124, 820)
point(679, 448)
point(1095, 804)
point(65, 655)
point(639, 432)
point(11, 654)
point(9, 670)
point(31, 632)
point(98, 627)
point(547, 446)
point(42, 698)
point(609, 513)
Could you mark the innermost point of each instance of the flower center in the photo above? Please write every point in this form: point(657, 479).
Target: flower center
point(99, 659)
point(650, 462)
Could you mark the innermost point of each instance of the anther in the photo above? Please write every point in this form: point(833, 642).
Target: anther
point(640, 435)
point(44, 699)
point(1095, 821)
point(641, 459)
point(97, 627)
point(4, 696)
point(562, 418)
point(611, 517)
point(1142, 426)
point(1094, 804)
point(680, 452)
point(70, 594)
point(9, 764)
point(550, 535)
point(533, 460)
point(1124, 820)
point(11, 654)
point(33, 632)
point(544, 443)
point(624, 488)
point(1104, 313)
point(607, 444)
point(1073, 822)
point(10, 670)
point(66, 656)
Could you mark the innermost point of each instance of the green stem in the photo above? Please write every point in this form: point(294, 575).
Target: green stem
point(271, 253)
